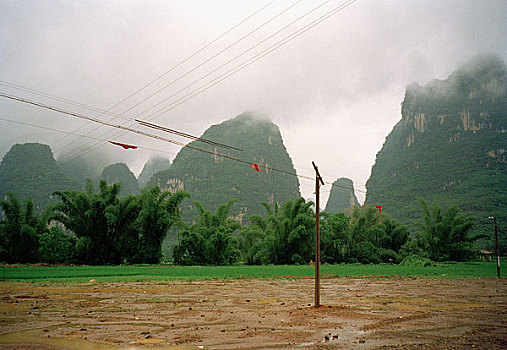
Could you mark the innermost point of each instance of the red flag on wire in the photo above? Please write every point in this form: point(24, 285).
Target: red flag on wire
point(124, 145)
point(379, 207)
point(255, 166)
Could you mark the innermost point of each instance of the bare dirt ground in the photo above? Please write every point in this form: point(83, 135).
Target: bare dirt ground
point(362, 313)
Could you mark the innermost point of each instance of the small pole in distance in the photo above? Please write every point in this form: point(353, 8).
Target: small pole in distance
point(496, 246)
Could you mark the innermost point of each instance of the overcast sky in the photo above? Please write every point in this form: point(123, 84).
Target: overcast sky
point(334, 91)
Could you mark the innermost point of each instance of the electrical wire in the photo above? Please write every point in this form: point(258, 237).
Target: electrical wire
point(233, 59)
point(139, 132)
point(179, 133)
point(60, 99)
point(248, 62)
point(59, 110)
point(187, 59)
point(73, 133)
point(91, 108)
point(214, 153)
point(214, 56)
point(97, 121)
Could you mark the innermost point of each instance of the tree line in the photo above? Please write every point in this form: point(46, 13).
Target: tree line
point(92, 227)
point(100, 227)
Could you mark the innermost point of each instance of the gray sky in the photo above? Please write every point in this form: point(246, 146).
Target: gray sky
point(334, 91)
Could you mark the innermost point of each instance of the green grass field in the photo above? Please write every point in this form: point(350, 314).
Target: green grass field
point(169, 272)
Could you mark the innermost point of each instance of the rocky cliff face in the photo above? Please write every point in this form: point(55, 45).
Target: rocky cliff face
point(212, 179)
point(342, 197)
point(30, 172)
point(450, 147)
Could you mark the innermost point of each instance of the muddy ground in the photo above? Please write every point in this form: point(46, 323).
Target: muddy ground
point(361, 313)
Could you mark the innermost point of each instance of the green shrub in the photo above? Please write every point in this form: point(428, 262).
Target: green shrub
point(56, 246)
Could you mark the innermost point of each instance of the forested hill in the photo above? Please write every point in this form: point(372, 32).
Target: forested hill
point(120, 172)
point(342, 197)
point(449, 147)
point(30, 172)
point(213, 179)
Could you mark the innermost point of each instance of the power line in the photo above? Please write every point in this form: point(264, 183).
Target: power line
point(274, 47)
point(214, 153)
point(214, 56)
point(248, 62)
point(196, 148)
point(59, 110)
point(73, 133)
point(179, 133)
point(201, 64)
point(139, 132)
point(59, 99)
point(78, 104)
point(207, 151)
point(236, 57)
point(185, 60)
point(90, 119)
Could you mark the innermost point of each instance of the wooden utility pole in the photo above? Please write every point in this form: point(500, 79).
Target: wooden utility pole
point(318, 182)
point(496, 247)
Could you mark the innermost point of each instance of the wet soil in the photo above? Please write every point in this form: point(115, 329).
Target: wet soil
point(362, 313)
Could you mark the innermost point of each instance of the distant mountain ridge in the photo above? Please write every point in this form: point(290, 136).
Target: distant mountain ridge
point(342, 197)
point(449, 146)
point(212, 179)
point(30, 171)
point(120, 172)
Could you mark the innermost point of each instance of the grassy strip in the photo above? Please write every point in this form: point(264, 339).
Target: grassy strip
point(169, 272)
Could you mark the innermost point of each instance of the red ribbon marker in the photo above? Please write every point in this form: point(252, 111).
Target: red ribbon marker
point(255, 166)
point(124, 145)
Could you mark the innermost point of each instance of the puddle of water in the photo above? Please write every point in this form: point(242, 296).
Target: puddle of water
point(38, 336)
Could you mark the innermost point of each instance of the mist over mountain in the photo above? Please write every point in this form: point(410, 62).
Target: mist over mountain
point(151, 167)
point(30, 171)
point(449, 147)
point(85, 167)
point(213, 179)
point(342, 197)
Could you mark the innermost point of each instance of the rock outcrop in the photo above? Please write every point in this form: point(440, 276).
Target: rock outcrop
point(212, 179)
point(342, 198)
point(450, 147)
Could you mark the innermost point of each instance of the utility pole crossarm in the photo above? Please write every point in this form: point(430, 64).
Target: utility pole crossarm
point(317, 174)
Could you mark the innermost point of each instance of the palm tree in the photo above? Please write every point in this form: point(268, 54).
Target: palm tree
point(445, 235)
point(159, 212)
point(210, 241)
point(288, 233)
point(19, 231)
